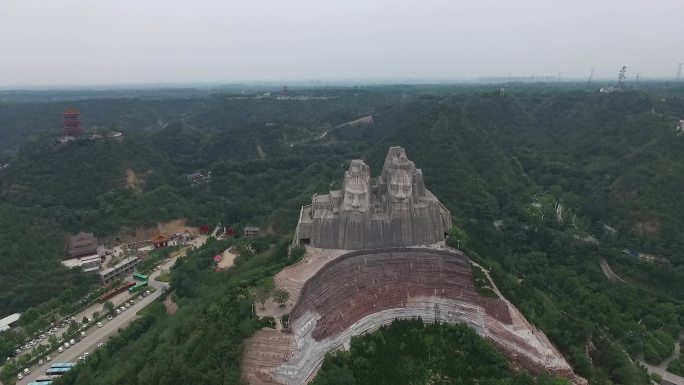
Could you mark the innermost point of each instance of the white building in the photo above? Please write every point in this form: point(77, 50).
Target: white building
point(8, 322)
point(119, 270)
point(86, 264)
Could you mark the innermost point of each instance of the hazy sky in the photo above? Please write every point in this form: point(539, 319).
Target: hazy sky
point(71, 42)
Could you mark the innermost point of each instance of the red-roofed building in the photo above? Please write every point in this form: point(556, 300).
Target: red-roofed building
point(160, 241)
point(72, 122)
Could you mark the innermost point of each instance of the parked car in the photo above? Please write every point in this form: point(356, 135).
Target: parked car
point(72, 342)
point(110, 317)
point(48, 358)
point(99, 324)
point(128, 304)
point(83, 334)
point(118, 311)
point(101, 344)
point(19, 376)
point(26, 371)
point(60, 349)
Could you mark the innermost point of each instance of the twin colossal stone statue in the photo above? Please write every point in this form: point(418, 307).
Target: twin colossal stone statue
point(396, 211)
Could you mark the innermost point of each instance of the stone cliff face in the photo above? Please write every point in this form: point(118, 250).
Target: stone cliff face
point(396, 211)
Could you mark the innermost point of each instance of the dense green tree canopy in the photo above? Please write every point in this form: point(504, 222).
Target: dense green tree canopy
point(543, 182)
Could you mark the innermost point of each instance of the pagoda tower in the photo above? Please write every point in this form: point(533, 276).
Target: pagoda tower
point(72, 122)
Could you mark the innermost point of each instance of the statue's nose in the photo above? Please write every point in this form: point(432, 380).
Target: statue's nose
point(355, 202)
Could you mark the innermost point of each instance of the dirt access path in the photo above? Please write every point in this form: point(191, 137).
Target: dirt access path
point(608, 272)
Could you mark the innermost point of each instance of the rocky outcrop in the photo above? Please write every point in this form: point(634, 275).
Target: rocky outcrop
point(395, 211)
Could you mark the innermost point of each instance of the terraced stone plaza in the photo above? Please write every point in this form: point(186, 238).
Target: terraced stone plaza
point(338, 293)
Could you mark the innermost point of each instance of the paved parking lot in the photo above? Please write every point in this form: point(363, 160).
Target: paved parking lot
point(95, 335)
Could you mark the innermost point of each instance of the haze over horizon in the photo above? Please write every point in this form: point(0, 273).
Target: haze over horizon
point(79, 42)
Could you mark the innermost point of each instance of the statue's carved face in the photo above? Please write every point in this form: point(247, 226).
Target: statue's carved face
point(356, 188)
point(400, 186)
point(355, 196)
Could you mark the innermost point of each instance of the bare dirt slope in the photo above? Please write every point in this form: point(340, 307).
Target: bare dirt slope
point(145, 233)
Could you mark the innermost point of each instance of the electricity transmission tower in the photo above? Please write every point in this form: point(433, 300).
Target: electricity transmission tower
point(679, 72)
point(621, 76)
point(591, 75)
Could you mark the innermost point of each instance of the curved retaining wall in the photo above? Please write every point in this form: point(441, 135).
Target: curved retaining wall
point(362, 290)
point(360, 283)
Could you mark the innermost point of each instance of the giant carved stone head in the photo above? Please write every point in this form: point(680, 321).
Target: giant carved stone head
point(356, 187)
point(400, 186)
point(397, 176)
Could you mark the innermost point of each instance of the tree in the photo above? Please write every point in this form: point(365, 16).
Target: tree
point(263, 291)
point(108, 307)
point(85, 320)
point(281, 297)
point(297, 253)
point(96, 315)
point(457, 237)
point(73, 327)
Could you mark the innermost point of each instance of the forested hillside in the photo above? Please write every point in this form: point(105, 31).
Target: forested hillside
point(503, 165)
point(410, 352)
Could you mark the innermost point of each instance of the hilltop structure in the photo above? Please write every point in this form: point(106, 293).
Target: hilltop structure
point(375, 253)
point(72, 123)
point(395, 211)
